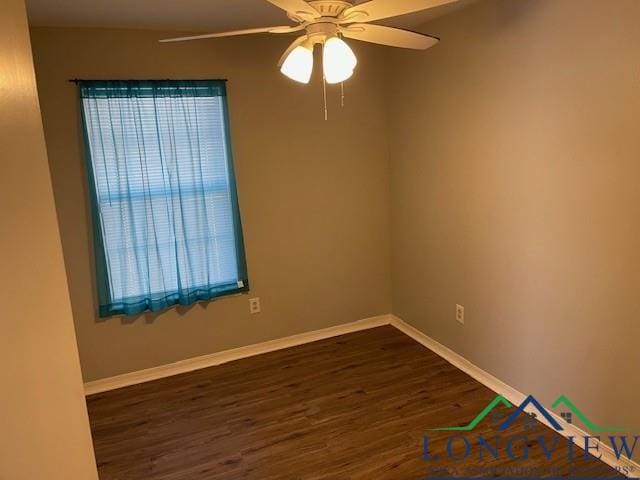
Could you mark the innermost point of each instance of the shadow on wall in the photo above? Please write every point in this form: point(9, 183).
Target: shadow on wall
point(150, 317)
point(511, 13)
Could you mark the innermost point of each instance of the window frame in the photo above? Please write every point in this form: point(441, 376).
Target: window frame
point(131, 306)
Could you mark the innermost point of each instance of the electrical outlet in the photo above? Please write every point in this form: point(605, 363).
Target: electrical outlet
point(254, 305)
point(460, 314)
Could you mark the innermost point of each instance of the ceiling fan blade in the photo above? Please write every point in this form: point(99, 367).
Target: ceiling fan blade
point(299, 8)
point(284, 29)
point(296, 43)
point(379, 9)
point(394, 37)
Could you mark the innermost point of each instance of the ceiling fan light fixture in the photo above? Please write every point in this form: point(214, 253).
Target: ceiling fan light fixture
point(298, 65)
point(338, 60)
point(327, 22)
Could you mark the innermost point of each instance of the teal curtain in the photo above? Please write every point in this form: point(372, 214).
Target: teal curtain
point(166, 219)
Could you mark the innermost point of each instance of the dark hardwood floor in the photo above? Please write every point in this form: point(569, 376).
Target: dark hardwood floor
point(351, 407)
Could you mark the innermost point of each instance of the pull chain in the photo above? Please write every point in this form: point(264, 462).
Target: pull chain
point(324, 90)
point(324, 96)
point(342, 94)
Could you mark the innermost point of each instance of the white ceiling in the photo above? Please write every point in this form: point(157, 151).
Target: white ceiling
point(186, 15)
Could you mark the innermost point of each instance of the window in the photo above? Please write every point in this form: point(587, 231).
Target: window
point(166, 220)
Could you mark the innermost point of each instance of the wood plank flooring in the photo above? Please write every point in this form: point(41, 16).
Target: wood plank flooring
point(350, 407)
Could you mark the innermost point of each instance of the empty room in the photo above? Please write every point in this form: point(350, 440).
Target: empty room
point(319, 239)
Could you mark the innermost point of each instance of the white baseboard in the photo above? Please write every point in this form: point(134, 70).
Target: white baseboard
point(184, 366)
point(488, 380)
point(510, 393)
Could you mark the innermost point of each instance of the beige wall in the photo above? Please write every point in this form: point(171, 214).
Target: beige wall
point(43, 417)
point(513, 153)
point(515, 192)
point(314, 195)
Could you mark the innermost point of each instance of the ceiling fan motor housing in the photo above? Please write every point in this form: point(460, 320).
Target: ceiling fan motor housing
point(326, 8)
point(321, 31)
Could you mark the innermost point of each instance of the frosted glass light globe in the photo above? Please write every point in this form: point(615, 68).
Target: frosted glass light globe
point(298, 65)
point(339, 61)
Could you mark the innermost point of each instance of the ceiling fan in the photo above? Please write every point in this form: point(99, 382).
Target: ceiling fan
point(326, 22)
